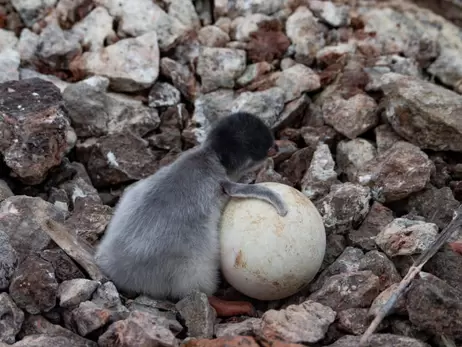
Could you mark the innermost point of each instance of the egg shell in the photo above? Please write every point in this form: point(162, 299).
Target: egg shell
point(266, 256)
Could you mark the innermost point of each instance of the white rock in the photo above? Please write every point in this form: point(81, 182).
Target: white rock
point(27, 45)
point(32, 10)
point(138, 17)
point(352, 155)
point(163, 94)
point(94, 29)
point(296, 80)
point(7, 39)
point(213, 36)
point(244, 26)
point(9, 65)
point(293, 250)
point(233, 9)
point(334, 15)
point(185, 12)
point(130, 64)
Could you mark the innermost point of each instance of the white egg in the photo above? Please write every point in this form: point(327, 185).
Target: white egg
point(266, 256)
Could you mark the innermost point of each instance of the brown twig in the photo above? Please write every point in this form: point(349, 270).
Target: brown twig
point(454, 225)
point(74, 247)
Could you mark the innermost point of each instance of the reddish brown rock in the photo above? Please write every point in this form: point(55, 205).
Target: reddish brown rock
point(268, 43)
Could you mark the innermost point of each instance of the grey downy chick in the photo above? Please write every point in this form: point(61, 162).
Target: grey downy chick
point(163, 239)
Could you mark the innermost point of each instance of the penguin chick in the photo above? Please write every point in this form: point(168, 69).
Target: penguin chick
point(163, 239)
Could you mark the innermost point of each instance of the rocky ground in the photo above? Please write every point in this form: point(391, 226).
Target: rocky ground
point(365, 99)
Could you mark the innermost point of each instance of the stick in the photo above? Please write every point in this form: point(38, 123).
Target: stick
point(74, 247)
point(454, 225)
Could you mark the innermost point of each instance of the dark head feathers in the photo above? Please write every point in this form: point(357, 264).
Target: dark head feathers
point(239, 138)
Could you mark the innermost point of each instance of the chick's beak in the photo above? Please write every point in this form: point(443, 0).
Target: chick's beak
point(274, 149)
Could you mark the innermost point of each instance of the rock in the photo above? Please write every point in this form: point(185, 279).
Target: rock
point(219, 67)
point(32, 11)
point(329, 55)
point(398, 308)
point(23, 219)
point(306, 34)
point(33, 286)
point(185, 13)
point(243, 27)
point(231, 341)
point(57, 48)
point(232, 10)
point(296, 80)
point(353, 155)
point(5, 191)
point(199, 316)
point(8, 260)
point(141, 17)
point(37, 134)
point(321, 175)
point(181, 77)
point(43, 340)
point(39, 327)
point(435, 205)
point(435, 306)
point(124, 73)
point(210, 107)
point(335, 16)
point(268, 174)
point(172, 123)
point(295, 167)
point(409, 113)
point(406, 328)
point(65, 268)
point(247, 327)
point(294, 111)
point(254, 72)
point(213, 36)
point(319, 134)
point(9, 65)
point(25, 73)
point(73, 292)
point(335, 245)
point(94, 29)
point(7, 39)
point(379, 340)
point(445, 264)
point(448, 68)
point(351, 117)
point(138, 329)
point(68, 12)
point(106, 296)
point(358, 290)
point(344, 207)
point(348, 261)
point(117, 158)
point(398, 172)
point(354, 320)
point(406, 237)
point(267, 104)
point(163, 94)
point(304, 323)
point(385, 137)
point(11, 319)
point(381, 266)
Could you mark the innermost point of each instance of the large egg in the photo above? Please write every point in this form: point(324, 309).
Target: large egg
point(266, 256)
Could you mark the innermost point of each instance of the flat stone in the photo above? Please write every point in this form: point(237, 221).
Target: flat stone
point(358, 290)
point(199, 316)
point(33, 286)
point(398, 172)
point(219, 67)
point(36, 135)
point(415, 106)
point(125, 74)
point(73, 292)
point(406, 237)
point(304, 323)
point(11, 319)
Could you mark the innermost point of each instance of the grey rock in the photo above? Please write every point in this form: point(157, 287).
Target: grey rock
point(89, 317)
point(448, 68)
point(137, 330)
point(321, 175)
point(351, 117)
point(181, 77)
point(438, 316)
point(38, 133)
point(7, 39)
point(73, 292)
point(335, 246)
point(352, 155)
point(32, 11)
point(297, 80)
point(5, 191)
point(398, 172)
point(267, 104)
point(385, 137)
point(23, 221)
point(163, 94)
point(345, 207)
point(56, 47)
point(213, 36)
point(232, 10)
point(333, 15)
point(136, 19)
point(65, 268)
point(406, 237)
point(293, 112)
point(184, 12)
point(433, 115)
point(8, 260)
point(381, 266)
point(358, 290)
point(405, 328)
point(124, 73)
point(247, 327)
point(304, 323)
point(219, 67)
point(26, 73)
point(9, 65)
point(43, 340)
point(445, 264)
point(106, 296)
point(28, 45)
point(380, 340)
point(354, 321)
point(33, 286)
point(11, 319)
point(199, 316)
point(268, 174)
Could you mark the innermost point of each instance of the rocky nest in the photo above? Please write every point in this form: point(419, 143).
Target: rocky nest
point(364, 98)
